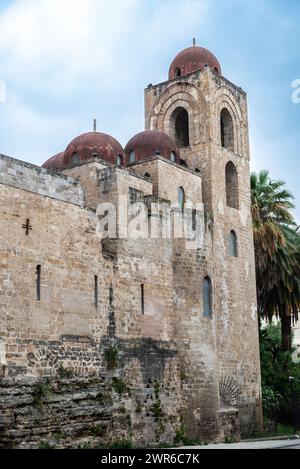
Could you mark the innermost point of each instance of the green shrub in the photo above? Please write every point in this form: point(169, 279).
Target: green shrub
point(111, 357)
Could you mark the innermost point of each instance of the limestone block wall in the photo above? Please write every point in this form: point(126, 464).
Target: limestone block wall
point(167, 177)
point(15, 173)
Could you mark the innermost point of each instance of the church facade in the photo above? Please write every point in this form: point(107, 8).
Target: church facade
point(175, 324)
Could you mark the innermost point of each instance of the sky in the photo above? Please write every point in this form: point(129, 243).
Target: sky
point(66, 62)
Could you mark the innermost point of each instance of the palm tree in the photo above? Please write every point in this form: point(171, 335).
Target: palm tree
point(277, 252)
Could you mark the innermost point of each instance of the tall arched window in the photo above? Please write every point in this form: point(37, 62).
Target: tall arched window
point(227, 130)
point(232, 185)
point(233, 244)
point(75, 158)
point(132, 156)
point(181, 197)
point(180, 127)
point(207, 298)
point(178, 72)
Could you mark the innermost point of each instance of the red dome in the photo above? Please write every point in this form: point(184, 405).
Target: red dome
point(191, 59)
point(150, 143)
point(92, 145)
point(55, 162)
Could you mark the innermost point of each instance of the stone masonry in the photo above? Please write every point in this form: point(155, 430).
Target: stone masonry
point(109, 339)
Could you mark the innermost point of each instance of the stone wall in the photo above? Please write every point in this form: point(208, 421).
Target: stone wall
point(34, 179)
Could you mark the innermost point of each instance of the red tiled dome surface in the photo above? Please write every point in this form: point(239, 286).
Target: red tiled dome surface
point(191, 59)
point(94, 144)
point(149, 143)
point(55, 162)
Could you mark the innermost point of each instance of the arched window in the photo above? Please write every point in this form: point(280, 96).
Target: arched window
point(148, 176)
point(233, 244)
point(207, 298)
point(180, 127)
point(227, 131)
point(181, 197)
point(119, 160)
point(95, 155)
point(75, 158)
point(132, 156)
point(177, 72)
point(172, 157)
point(157, 152)
point(232, 186)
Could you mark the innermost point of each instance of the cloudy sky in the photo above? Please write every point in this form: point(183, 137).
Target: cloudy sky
point(65, 62)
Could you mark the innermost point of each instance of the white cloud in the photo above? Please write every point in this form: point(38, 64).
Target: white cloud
point(67, 61)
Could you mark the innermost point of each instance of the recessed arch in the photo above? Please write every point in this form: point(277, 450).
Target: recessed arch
point(233, 244)
point(180, 126)
point(232, 185)
point(148, 176)
point(227, 130)
point(178, 72)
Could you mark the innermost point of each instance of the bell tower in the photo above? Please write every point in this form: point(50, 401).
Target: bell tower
point(207, 117)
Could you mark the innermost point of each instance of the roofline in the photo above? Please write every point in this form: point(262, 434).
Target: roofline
point(182, 77)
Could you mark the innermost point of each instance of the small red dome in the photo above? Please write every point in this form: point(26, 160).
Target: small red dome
point(55, 162)
point(191, 59)
point(93, 145)
point(150, 143)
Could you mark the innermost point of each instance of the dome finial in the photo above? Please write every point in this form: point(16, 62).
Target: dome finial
point(194, 41)
point(95, 125)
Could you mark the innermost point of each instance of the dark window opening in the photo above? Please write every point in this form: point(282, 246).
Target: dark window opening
point(181, 198)
point(75, 158)
point(119, 160)
point(232, 186)
point(178, 72)
point(173, 157)
point(183, 163)
point(197, 170)
point(180, 125)
point(95, 155)
point(96, 292)
point(207, 298)
point(148, 176)
point(38, 283)
point(143, 298)
point(233, 244)
point(227, 131)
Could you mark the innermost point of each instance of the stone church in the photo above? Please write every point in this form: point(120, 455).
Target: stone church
point(142, 338)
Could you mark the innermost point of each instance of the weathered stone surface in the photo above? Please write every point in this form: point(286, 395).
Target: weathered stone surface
point(166, 351)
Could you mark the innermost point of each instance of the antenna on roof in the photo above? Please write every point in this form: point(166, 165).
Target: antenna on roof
point(95, 125)
point(194, 42)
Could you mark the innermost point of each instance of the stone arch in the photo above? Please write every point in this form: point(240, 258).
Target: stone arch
point(227, 130)
point(224, 99)
point(179, 126)
point(232, 185)
point(182, 95)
